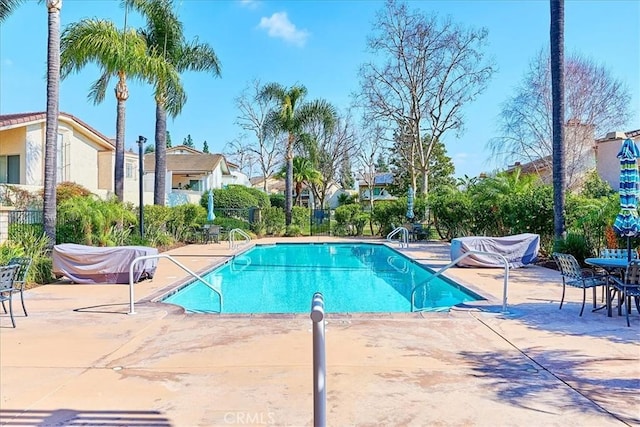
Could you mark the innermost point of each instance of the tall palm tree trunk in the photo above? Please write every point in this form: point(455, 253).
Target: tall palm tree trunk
point(288, 199)
point(557, 113)
point(122, 94)
point(51, 126)
point(159, 193)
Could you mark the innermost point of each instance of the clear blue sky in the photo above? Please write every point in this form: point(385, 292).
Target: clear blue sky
point(316, 43)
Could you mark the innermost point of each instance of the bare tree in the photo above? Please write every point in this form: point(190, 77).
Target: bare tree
point(327, 149)
point(253, 110)
point(371, 142)
point(424, 71)
point(241, 153)
point(594, 103)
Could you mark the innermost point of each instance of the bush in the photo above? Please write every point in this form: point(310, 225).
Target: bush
point(92, 221)
point(574, 244)
point(386, 213)
point(32, 244)
point(350, 219)
point(68, 190)
point(274, 220)
point(184, 218)
point(293, 231)
point(236, 197)
point(277, 200)
point(300, 216)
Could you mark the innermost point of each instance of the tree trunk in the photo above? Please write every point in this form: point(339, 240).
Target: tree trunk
point(51, 126)
point(122, 93)
point(159, 183)
point(288, 187)
point(557, 95)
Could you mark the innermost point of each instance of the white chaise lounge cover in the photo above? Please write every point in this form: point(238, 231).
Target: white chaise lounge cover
point(519, 250)
point(89, 264)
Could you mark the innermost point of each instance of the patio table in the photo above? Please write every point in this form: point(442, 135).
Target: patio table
point(608, 264)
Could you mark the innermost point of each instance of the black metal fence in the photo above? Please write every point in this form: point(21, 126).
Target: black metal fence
point(320, 222)
point(25, 221)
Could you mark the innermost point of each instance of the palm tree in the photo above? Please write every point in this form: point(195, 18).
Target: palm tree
point(291, 118)
point(51, 122)
point(165, 38)
point(557, 114)
point(121, 53)
point(8, 6)
point(303, 173)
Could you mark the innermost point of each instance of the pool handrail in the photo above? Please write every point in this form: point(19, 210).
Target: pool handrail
point(404, 236)
point(179, 264)
point(457, 260)
point(232, 237)
point(319, 362)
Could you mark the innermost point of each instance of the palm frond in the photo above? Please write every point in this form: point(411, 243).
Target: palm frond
point(196, 56)
point(99, 87)
point(7, 7)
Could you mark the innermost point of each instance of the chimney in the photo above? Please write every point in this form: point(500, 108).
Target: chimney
point(616, 135)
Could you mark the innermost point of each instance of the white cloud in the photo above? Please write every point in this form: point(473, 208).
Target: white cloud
point(249, 4)
point(279, 26)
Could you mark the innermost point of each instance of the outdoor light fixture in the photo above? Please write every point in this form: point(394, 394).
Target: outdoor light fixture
point(141, 141)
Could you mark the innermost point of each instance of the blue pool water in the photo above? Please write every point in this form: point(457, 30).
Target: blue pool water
point(353, 278)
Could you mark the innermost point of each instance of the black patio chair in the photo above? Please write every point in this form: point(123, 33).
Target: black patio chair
point(628, 288)
point(576, 276)
point(20, 281)
point(7, 275)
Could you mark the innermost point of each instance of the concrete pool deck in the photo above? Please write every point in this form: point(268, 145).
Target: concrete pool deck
point(79, 359)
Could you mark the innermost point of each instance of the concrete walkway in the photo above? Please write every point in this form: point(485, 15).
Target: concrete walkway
point(79, 359)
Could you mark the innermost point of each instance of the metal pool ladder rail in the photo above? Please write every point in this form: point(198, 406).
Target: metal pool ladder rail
point(169, 257)
point(232, 237)
point(404, 236)
point(457, 260)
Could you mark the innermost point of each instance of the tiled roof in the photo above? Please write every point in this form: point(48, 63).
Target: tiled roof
point(7, 120)
point(531, 167)
point(186, 163)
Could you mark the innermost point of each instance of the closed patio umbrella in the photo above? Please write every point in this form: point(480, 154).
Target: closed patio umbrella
point(627, 223)
point(210, 215)
point(410, 197)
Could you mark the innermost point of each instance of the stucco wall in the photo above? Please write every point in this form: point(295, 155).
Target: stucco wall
point(607, 162)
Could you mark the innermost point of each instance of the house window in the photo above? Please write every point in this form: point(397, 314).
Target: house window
point(9, 169)
point(377, 191)
point(130, 170)
point(194, 185)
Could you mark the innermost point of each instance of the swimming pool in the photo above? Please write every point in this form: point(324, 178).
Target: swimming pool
point(353, 278)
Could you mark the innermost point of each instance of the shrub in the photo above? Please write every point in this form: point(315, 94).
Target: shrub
point(350, 219)
point(347, 199)
point(386, 213)
point(68, 190)
point(300, 216)
point(91, 221)
point(184, 218)
point(274, 220)
point(293, 231)
point(277, 200)
point(574, 244)
point(236, 197)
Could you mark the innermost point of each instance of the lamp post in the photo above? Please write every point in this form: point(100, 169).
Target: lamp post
point(141, 141)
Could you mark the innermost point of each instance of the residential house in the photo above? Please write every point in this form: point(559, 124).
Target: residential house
point(190, 173)
point(236, 176)
point(277, 186)
point(375, 186)
point(607, 149)
point(580, 154)
point(84, 155)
